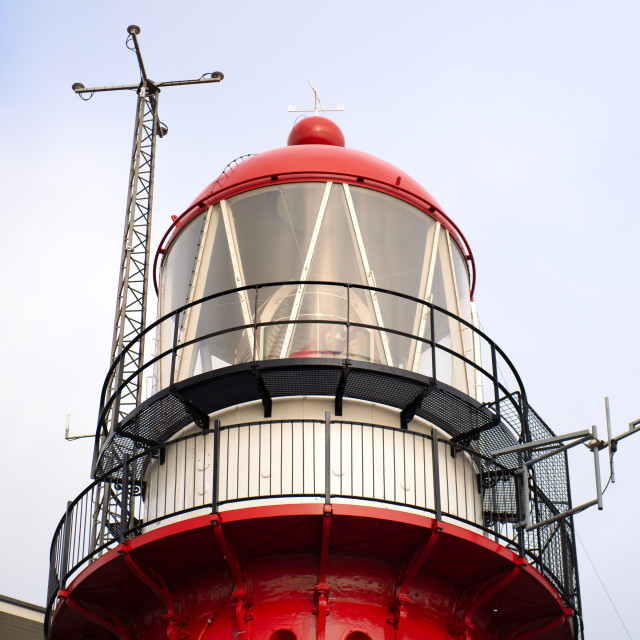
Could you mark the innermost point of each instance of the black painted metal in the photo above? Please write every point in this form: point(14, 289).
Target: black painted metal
point(64, 564)
point(327, 458)
point(342, 385)
point(436, 473)
point(108, 400)
point(124, 501)
point(409, 412)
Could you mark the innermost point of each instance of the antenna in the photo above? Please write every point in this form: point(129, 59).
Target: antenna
point(66, 431)
point(316, 100)
point(551, 446)
point(612, 443)
point(131, 301)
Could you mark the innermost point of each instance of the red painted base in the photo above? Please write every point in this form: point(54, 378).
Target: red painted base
point(308, 571)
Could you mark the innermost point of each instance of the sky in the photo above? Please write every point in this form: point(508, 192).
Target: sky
point(520, 118)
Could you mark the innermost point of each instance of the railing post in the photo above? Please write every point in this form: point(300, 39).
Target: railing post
point(124, 498)
point(66, 535)
point(524, 409)
point(522, 506)
point(494, 373)
point(176, 326)
point(327, 457)
point(432, 329)
point(435, 463)
point(216, 466)
point(348, 318)
point(255, 324)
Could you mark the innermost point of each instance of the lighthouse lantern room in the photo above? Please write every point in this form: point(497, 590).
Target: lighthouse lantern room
point(331, 446)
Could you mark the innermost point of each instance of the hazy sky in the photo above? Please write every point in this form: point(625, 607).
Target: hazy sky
point(520, 118)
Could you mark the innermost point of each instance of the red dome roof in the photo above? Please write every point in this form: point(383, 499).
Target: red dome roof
point(315, 153)
point(313, 162)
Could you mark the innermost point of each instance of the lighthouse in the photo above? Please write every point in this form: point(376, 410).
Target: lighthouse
point(332, 447)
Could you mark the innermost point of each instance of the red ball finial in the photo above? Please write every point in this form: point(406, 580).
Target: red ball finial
point(316, 130)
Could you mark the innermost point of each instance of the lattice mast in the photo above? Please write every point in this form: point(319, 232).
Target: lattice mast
point(131, 299)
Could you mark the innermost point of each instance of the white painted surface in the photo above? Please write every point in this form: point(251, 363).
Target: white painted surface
point(285, 457)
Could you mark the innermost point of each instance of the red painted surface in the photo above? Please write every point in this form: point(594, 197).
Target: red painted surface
point(341, 572)
point(307, 162)
point(316, 130)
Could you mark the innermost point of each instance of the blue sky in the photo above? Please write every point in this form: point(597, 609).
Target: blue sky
point(520, 118)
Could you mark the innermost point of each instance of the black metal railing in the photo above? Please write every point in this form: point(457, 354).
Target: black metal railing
point(213, 469)
point(501, 383)
point(133, 490)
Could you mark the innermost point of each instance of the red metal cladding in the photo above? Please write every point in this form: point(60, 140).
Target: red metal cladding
point(316, 130)
point(314, 154)
point(305, 571)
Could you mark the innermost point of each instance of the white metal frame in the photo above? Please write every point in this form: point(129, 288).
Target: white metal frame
point(422, 313)
point(236, 263)
point(305, 270)
point(196, 292)
point(463, 330)
point(368, 273)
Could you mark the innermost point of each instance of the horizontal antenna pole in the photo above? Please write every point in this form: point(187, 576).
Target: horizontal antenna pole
point(536, 444)
point(556, 450)
point(560, 516)
point(80, 88)
point(215, 77)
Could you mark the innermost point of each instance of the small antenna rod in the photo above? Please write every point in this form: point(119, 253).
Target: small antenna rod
point(133, 31)
point(611, 447)
point(66, 431)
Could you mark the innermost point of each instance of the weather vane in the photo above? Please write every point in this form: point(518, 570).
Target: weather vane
point(317, 105)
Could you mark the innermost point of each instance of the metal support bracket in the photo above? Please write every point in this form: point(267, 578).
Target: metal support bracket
point(342, 385)
point(322, 588)
point(461, 631)
point(477, 595)
point(409, 412)
point(200, 417)
point(177, 622)
point(116, 627)
point(264, 392)
point(243, 598)
point(465, 438)
point(398, 603)
point(542, 629)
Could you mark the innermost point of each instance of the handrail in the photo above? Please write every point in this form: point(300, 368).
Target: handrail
point(493, 488)
point(493, 375)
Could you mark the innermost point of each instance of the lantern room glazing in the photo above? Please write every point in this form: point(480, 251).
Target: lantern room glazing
point(313, 238)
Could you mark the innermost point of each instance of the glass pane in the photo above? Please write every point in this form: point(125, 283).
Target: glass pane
point(399, 314)
point(364, 343)
point(273, 229)
point(211, 352)
point(394, 234)
point(220, 276)
point(441, 324)
point(302, 334)
point(274, 305)
point(178, 266)
point(462, 282)
point(336, 255)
